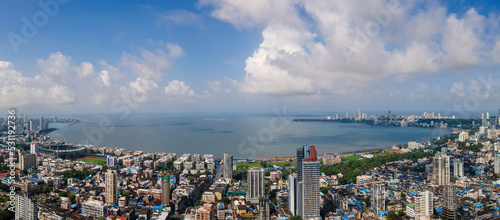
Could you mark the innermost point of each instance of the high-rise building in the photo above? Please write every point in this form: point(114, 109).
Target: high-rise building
point(441, 169)
point(34, 125)
point(378, 197)
point(165, 190)
point(26, 160)
point(264, 209)
point(26, 209)
point(300, 158)
point(310, 185)
point(346, 113)
point(256, 181)
point(359, 114)
point(458, 168)
point(34, 148)
point(424, 205)
point(228, 167)
point(496, 166)
point(450, 202)
point(111, 187)
point(292, 193)
point(111, 161)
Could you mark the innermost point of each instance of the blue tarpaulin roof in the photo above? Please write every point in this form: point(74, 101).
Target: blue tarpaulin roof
point(479, 205)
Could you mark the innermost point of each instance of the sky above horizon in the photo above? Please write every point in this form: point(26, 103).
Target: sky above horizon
point(238, 56)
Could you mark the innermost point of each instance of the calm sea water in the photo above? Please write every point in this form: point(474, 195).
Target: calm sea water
point(245, 136)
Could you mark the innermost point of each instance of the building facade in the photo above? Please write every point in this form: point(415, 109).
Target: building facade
point(26, 209)
point(310, 185)
point(165, 190)
point(228, 166)
point(111, 187)
point(441, 169)
point(255, 178)
point(94, 208)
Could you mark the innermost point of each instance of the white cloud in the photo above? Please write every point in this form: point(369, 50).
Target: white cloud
point(85, 70)
point(458, 90)
point(152, 64)
point(178, 90)
point(216, 87)
point(323, 46)
point(461, 41)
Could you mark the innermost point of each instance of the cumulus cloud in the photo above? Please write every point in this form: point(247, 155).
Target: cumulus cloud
point(177, 89)
point(322, 46)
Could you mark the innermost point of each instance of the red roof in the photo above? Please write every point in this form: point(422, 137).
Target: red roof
point(118, 217)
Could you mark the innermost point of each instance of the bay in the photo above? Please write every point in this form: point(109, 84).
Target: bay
point(243, 135)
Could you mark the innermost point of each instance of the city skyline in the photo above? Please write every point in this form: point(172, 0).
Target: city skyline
point(223, 56)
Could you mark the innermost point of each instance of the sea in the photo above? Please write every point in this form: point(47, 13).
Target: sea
point(243, 135)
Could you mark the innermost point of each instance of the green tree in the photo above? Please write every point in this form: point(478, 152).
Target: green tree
point(453, 179)
point(325, 190)
point(392, 216)
point(403, 195)
point(199, 203)
point(46, 189)
point(297, 217)
point(401, 212)
point(225, 200)
point(126, 193)
point(368, 202)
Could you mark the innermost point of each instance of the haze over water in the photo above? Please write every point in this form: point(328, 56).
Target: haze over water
point(223, 133)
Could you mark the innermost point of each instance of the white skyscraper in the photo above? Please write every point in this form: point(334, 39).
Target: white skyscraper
point(26, 209)
point(292, 189)
point(424, 205)
point(496, 166)
point(441, 169)
point(458, 168)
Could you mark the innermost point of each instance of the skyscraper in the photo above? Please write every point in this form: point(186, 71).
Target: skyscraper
point(165, 190)
point(310, 184)
point(111, 188)
point(441, 169)
point(26, 160)
point(496, 166)
point(359, 114)
point(292, 193)
point(450, 202)
point(26, 209)
point(378, 197)
point(256, 180)
point(424, 204)
point(300, 158)
point(34, 148)
point(111, 161)
point(228, 167)
point(458, 168)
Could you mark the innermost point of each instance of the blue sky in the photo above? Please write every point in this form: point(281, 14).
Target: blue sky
point(228, 55)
